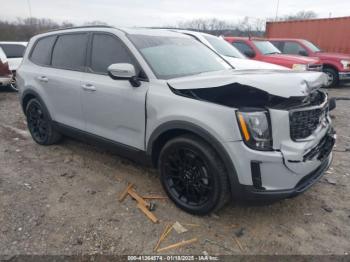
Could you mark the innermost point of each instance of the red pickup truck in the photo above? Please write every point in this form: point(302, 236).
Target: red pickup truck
point(263, 50)
point(335, 65)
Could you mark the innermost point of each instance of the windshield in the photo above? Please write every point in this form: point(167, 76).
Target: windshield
point(171, 57)
point(311, 46)
point(266, 48)
point(223, 47)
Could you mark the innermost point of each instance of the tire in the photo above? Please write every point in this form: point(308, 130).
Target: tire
point(40, 124)
point(333, 77)
point(13, 85)
point(193, 175)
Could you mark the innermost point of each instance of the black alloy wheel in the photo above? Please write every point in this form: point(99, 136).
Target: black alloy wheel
point(193, 176)
point(39, 124)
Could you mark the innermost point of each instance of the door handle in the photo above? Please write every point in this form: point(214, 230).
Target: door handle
point(89, 87)
point(43, 79)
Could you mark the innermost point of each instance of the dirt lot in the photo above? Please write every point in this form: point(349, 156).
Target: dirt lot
point(63, 200)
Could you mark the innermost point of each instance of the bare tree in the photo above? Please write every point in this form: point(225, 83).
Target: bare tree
point(301, 15)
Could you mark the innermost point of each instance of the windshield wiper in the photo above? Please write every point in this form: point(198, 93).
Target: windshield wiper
point(272, 53)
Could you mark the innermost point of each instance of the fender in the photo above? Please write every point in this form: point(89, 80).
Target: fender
point(206, 136)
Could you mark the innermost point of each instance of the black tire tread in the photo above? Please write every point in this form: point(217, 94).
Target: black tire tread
point(224, 196)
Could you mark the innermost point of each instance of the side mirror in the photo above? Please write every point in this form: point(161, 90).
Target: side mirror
point(250, 53)
point(303, 53)
point(124, 71)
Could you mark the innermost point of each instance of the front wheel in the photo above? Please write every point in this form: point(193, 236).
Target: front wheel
point(333, 77)
point(193, 175)
point(39, 124)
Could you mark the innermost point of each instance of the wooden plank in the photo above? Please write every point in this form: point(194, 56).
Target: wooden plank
point(138, 198)
point(148, 213)
point(125, 193)
point(239, 244)
point(161, 237)
point(155, 197)
point(177, 245)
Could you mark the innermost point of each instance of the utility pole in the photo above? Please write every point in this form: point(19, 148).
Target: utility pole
point(277, 7)
point(30, 9)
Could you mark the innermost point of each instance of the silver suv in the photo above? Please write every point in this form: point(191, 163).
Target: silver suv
point(161, 97)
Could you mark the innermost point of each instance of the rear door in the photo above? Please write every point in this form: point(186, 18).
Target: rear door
point(60, 80)
point(113, 109)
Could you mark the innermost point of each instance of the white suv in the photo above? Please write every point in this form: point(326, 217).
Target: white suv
point(164, 98)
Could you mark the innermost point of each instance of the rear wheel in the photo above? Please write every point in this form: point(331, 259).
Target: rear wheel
point(193, 175)
point(333, 77)
point(13, 84)
point(39, 124)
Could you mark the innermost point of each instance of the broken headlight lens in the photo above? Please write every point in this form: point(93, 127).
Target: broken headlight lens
point(255, 129)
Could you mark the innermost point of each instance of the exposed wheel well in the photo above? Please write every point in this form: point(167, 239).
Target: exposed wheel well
point(25, 101)
point(162, 139)
point(330, 66)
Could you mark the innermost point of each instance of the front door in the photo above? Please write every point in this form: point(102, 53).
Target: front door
point(113, 109)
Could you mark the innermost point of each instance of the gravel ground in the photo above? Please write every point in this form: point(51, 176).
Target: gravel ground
point(62, 200)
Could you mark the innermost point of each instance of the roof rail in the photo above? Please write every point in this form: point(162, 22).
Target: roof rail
point(80, 27)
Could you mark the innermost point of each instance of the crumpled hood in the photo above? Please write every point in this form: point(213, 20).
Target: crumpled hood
point(283, 83)
point(239, 63)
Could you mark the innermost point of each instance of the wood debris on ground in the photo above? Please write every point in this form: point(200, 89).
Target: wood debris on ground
point(179, 244)
point(142, 204)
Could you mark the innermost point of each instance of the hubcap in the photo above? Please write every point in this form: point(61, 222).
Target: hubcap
point(37, 124)
point(187, 177)
point(330, 79)
point(13, 84)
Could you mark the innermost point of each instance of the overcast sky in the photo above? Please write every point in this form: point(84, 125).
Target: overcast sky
point(164, 12)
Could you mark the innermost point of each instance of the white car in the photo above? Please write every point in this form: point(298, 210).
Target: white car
point(229, 52)
point(14, 52)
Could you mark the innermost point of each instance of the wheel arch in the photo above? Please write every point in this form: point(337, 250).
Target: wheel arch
point(172, 129)
point(27, 96)
point(328, 65)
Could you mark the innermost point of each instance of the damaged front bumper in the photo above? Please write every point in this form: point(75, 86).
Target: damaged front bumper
point(267, 176)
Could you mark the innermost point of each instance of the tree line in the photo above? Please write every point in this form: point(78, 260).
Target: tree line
point(24, 29)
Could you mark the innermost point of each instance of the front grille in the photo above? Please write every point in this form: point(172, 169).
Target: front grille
point(315, 68)
point(304, 123)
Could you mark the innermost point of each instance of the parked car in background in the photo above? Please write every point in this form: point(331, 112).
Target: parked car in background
point(262, 50)
point(230, 53)
point(335, 65)
point(161, 97)
point(14, 52)
point(5, 73)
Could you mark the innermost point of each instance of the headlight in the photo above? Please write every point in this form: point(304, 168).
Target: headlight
point(255, 129)
point(345, 63)
point(300, 67)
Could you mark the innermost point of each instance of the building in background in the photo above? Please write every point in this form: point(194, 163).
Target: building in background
point(331, 34)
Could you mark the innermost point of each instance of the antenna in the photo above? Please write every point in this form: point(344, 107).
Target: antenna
point(277, 7)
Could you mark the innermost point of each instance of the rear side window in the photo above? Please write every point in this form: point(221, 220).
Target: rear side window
point(13, 50)
point(41, 53)
point(69, 52)
point(107, 50)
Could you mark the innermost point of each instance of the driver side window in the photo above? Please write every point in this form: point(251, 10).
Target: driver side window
point(106, 50)
point(294, 48)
